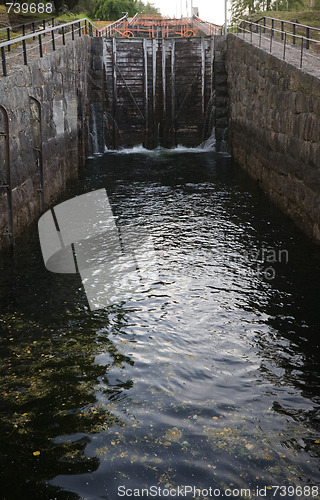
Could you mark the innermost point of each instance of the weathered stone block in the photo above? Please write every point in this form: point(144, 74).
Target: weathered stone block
point(274, 113)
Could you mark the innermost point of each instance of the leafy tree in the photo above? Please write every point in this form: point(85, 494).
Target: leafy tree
point(112, 10)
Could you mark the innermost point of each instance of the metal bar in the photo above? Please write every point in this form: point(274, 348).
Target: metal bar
point(260, 35)
point(40, 45)
point(31, 35)
point(294, 32)
point(4, 65)
point(307, 37)
point(28, 24)
point(24, 48)
point(53, 41)
point(8, 38)
point(301, 52)
point(33, 29)
point(72, 31)
point(80, 28)
point(63, 37)
point(284, 46)
point(282, 29)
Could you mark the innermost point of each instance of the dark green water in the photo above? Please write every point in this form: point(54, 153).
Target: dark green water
point(210, 378)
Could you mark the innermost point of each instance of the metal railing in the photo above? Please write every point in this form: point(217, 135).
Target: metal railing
point(294, 28)
point(258, 33)
point(112, 28)
point(38, 30)
point(156, 27)
point(73, 28)
point(206, 27)
point(10, 32)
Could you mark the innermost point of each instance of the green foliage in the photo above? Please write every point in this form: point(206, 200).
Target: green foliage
point(241, 8)
point(111, 10)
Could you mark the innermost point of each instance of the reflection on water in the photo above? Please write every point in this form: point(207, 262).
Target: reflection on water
point(209, 378)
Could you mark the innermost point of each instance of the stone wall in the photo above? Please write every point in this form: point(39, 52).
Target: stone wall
point(48, 105)
point(274, 126)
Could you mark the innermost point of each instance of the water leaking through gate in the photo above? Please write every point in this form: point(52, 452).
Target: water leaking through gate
point(158, 90)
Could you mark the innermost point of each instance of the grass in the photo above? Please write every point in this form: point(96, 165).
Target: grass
point(17, 19)
point(304, 17)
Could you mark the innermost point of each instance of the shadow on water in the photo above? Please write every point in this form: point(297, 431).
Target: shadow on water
point(209, 378)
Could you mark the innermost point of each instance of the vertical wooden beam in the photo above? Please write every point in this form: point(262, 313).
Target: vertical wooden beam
point(146, 97)
point(203, 74)
point(164, 93)
point(154, 80)
point(211, 63)
point(163, 65)
point(173, 90)
point(115, 93)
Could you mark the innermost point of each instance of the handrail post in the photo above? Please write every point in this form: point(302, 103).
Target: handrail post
point(272, 27)
point(40, 45)
point(63, 36)
point(284, 46)
point(294, 34)
point(264, 24)
point(53, 42)
point(79, 28)
point(24, 48)
point(44, 26)
point(301, 52)
point(33, 29)
point(260, 34)
point(72, 31)
point(282, 29)
point(4, 65)
point(8, 38)
point(307, 37)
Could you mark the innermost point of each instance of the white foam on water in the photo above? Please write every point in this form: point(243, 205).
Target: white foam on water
point(139, 149)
